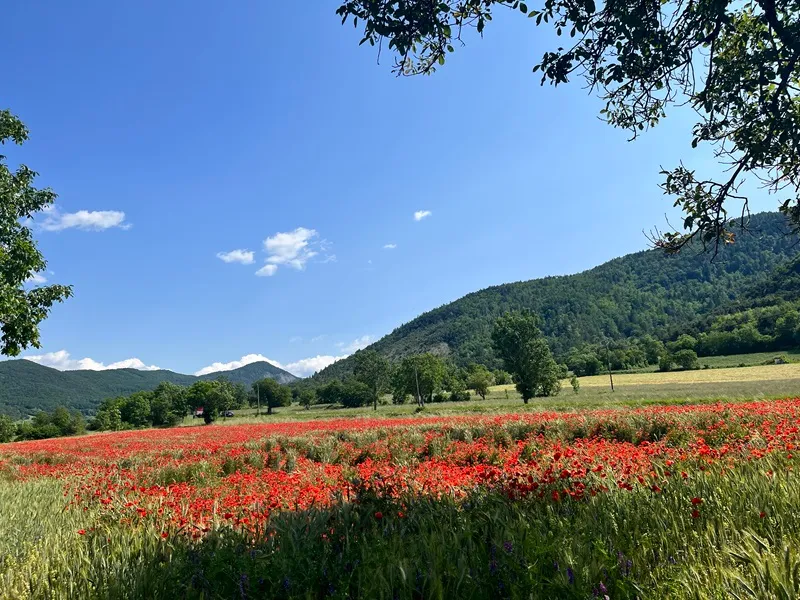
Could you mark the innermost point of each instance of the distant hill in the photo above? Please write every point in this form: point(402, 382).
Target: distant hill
point(642, 293)
point(251, 373)
point(26, 387)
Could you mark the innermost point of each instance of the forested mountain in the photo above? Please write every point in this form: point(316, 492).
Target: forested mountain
point(643, 293)
point(26, 387)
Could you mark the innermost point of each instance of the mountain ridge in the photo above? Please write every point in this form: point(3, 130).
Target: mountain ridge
point(645, 292)
point(26, 386)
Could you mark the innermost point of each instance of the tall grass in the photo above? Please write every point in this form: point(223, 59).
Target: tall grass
point(622, 544)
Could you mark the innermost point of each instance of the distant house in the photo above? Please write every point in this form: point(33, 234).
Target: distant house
point(198, 412)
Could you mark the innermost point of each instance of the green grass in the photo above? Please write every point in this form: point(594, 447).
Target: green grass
point(595, 392)
point(637, 544)
point(748, 360)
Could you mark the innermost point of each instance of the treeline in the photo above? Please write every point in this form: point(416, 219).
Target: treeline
point(165, 406)
point(169, 404)
point(58, 423)
point(516, 338)
point(422, 378)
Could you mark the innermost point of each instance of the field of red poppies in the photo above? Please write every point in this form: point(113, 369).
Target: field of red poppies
point(671, 501)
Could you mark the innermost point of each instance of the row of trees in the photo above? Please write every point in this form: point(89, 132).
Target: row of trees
point(58, 423)
point(427, 377)
point(169, 404)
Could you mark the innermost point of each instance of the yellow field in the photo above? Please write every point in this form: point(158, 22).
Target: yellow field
point(760, 373)
point(727, 375)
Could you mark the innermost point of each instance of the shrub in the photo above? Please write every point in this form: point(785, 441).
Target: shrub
point(686, 359)
point(460, 396)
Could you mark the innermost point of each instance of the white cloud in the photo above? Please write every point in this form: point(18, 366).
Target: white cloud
point(61, 360)
point(91, 220)
point(356, 344)
point(293, 248)
point(36, 279)
point(267, 271)
point(421, 214)
point(318, 338)
point(245, 257)
point(308, 366)
point(389, 246)
point(301, 368)
point(235, 364)
point(295, 338)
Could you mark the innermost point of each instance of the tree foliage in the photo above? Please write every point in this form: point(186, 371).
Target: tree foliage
point(736, 63)
point(420, 376)
point(272, 394)
point(58, 423)
point(21, 309)
point(479, 379)
point(7, 429)
point(519, 342)
point(374, 371)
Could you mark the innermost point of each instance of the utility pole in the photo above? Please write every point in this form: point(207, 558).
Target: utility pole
point(608, 365)
point(416, 378)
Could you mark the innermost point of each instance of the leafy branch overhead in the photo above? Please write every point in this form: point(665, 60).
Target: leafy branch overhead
point(736, 63)
point(21, 309)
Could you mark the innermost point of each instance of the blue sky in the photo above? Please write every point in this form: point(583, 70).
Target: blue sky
point(187, 130)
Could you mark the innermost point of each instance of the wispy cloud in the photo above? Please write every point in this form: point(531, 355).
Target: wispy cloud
point(267, 271)
point(421, 214)
point(88, 220)
point(36, 279)
point(62, 361)
point(356, 344)
point(245, 257)
point(389, 246)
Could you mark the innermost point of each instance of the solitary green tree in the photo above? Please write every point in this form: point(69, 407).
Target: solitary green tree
point(374, 371)
point(7, 429)
point(306, 397)
point(421, 376)
point(21, 309)
point(520, 344)
point(736, 63)
point(479, 379)
point(272, 393)
point(686, 359)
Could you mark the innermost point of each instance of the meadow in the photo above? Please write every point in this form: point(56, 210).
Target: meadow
point(630, 390)
point(661, 501)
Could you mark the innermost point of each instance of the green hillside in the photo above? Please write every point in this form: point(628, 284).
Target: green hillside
point(26, 387)
point(642, 293)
